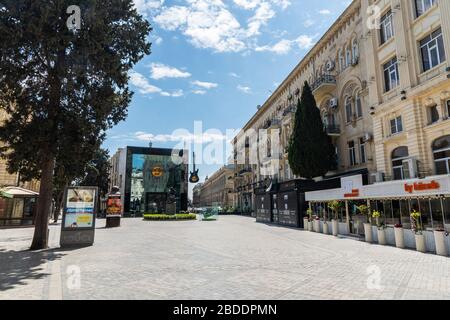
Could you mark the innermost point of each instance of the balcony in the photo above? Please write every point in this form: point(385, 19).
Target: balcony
point(333, 130)
point(324, 84)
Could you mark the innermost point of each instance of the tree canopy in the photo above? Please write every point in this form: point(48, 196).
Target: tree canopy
point(63, 88)
point(311, 152)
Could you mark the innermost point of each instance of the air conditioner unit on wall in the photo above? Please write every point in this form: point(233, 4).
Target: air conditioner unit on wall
point(410, 168)
point(377, 177)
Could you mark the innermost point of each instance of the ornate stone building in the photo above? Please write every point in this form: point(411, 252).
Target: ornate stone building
point(381, 78)
point(218, 190)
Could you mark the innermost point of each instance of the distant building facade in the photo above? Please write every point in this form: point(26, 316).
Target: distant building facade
point(218, 189)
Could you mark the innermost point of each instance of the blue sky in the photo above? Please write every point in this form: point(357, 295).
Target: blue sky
point(214, 61)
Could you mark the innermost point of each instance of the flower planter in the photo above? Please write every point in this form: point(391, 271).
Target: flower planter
point(439, 239)
point(325, 228)
point(305, 223)
point(316, 225)
point(310, 226)
point(335, 227)
point(368, 232)
point(420, 243)
point(399, 237)
point(381, 236)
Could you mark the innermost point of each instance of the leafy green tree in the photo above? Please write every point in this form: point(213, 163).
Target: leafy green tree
point(97, 172)
point(62, 88)
point(311, 152)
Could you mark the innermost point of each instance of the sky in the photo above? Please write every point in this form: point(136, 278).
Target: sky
point(212, 63)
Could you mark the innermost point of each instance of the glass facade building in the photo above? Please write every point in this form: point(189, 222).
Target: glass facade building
point(156, 181)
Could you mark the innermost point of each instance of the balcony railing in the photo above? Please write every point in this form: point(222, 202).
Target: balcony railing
point(324, 80)
point(333, 129)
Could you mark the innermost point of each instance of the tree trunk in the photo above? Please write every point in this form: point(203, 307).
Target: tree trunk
point(40, 238)
point(58, 206)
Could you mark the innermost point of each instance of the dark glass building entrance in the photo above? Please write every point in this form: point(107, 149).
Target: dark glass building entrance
point(156, 181)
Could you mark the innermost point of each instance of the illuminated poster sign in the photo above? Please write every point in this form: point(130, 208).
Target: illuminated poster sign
point(79, 208)
point(78, 224)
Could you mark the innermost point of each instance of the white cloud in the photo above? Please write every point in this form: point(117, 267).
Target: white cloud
point(285, 46)
point(161, 71)
point(143, 6)
point(325, 12)
point(199, 92)
point(144, 86)
point(206, 85)
point(244, 89)
point(209, 24)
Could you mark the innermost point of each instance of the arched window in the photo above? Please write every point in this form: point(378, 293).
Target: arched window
point(441, 153)
point(348, 109)
point(348, 57)
point(358, 105)
point(355, 50)
point(341, 60)
point(398, 156)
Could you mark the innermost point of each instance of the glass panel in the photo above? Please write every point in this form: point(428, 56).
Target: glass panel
point(438, 219)
point(441, 167)
point(424, 209)
point(446, 203)
point(405, 216)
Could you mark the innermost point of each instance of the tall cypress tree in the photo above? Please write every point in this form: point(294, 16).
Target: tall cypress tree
point(311, 153)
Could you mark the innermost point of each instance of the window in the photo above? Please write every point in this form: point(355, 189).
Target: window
point(352, 153)
point(441, 153)
point(432, 50)
point(448, 108)
point(362, 150)
point(386, 27)
point(396, 125)
point(391, 75)
point(398, 156)
point(433, 114)
point(423, 6)
point(341, 60)
point(348, 57)
point(348, 109)
point(359, 112)
point(355, 50)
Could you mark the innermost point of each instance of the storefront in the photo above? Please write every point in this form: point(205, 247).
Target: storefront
point(394, 200)
point(284, 203)
point(17, 206)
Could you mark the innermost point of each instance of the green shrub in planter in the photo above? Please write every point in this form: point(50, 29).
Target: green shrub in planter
point(169, 217)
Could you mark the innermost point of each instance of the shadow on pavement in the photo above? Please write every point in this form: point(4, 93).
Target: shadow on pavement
point(17, 267)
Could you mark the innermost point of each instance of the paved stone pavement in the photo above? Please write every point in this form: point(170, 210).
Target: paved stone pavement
point(233, 258)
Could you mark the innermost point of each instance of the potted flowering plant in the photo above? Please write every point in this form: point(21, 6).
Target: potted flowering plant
point(335, 206)
point(439, 239)
point(307, 218)
point(399, 236)
point(418, 230)
point(325, 222)
point(310, 219)
point(364, 210)
point(380, 227)
point(317, 224)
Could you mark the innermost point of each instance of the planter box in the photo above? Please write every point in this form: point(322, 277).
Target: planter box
point(368, 232)
point(325, 228)
point(317, 226)
point(430, 245)
point(390, 236)
point(343, 228)
point(420, 243)
point(305, 223)
point(439, 239)
point(310, 226)
point(381, 236)
point(410, 239)
point(399, 238)
point(335, 227)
